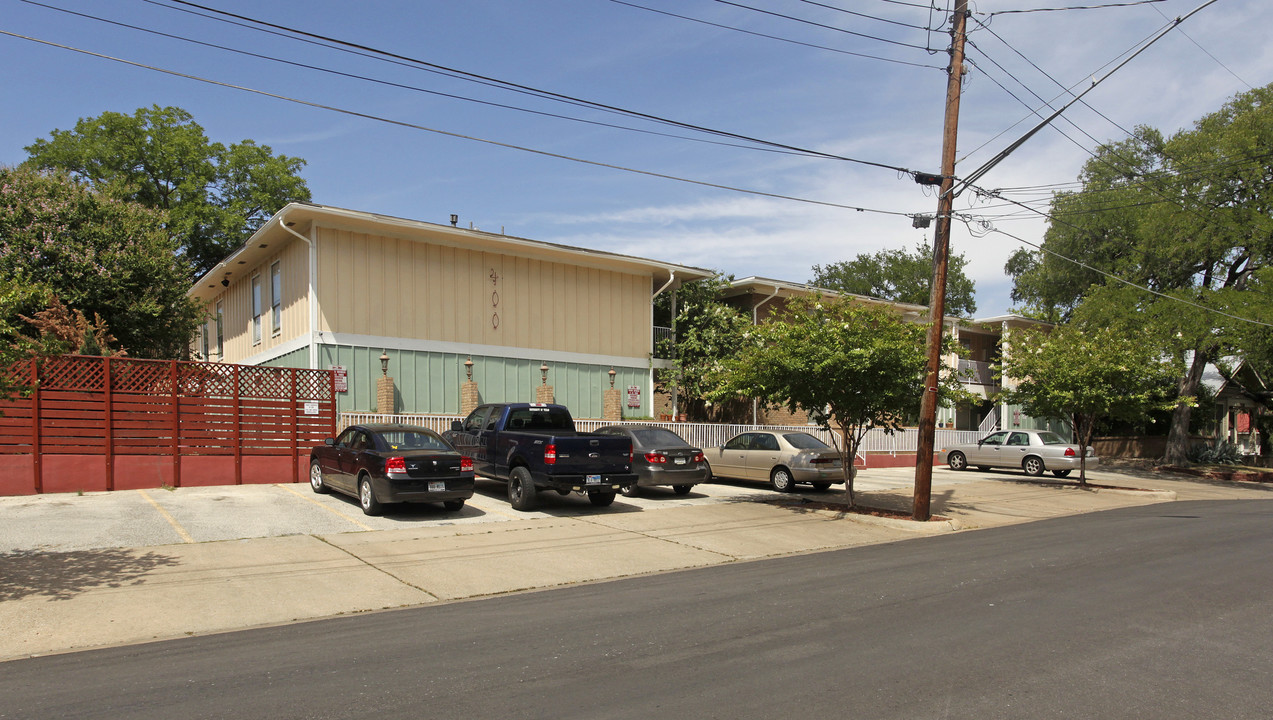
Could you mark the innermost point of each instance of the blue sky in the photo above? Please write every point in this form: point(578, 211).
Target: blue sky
point(886, 111)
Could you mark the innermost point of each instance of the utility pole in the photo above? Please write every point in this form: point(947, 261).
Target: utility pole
point(941, 252)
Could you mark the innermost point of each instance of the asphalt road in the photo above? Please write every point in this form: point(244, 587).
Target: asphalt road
point(1157, 611)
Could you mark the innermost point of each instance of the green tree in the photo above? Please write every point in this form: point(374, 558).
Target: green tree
point(215, 196)
point(109, 259)
point(1190, 218)
point(855, 366)
point(900, 276)
point(1085, 376)
point(707, 332)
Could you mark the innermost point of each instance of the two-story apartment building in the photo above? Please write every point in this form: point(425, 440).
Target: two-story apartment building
point(981, 346)
point(325, 287)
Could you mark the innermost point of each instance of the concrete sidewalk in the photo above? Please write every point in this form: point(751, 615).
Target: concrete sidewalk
point(57, 601)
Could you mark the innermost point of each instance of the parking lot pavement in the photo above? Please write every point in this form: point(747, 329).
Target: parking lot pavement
point(143, 518)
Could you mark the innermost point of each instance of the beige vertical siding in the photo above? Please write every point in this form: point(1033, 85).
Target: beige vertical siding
point(399, 287)
point(237, 306)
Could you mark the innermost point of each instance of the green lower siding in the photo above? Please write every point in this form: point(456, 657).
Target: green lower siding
point(429, 382)
point(294, 359)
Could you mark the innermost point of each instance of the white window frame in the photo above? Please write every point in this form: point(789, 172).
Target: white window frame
point(220, 330)
point(276, 298)
point(256, 309)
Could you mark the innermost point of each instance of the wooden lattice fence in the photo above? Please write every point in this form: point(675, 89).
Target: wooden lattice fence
point(96, 423)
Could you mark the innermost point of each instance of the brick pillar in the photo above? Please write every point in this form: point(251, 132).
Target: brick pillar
point(612, 407)
point(384, 396)
point(469, 398)
point(544, 394)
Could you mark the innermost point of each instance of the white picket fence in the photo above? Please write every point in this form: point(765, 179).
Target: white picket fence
point(705, 435)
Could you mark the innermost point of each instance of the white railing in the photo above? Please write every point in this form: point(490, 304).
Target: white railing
point(976, 372)
point(990, 422)
point(706, 435)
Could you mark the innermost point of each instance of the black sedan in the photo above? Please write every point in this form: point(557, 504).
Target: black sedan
point(660, 457)
point(380, 464)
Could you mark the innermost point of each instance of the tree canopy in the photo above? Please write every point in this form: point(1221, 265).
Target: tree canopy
point(707, 332)
point(1085, 376)
point(853, 366)
point(1188, 218)
point(900, 276)
point(215, 196)
point(109, 259)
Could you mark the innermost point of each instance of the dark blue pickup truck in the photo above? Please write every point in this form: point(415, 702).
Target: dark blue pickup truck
point(534, 446)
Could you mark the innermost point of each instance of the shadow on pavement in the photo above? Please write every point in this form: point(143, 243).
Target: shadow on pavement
point(62, 575)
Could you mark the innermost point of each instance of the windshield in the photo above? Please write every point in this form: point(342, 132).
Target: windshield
point(805, 441)
point(657, 437)
point(414, 440)
point(1051, 438)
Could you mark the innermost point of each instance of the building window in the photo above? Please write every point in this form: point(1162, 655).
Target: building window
point(276, 299)
point(203, 342)
point(220, 332)
point(256, 309)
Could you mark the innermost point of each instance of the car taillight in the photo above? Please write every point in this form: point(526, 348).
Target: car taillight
point(396, 465)
point(1069, 452)
point(698, 457)
point(655, 457)
point(820, 461)
point(550, 454)
point(466, 464)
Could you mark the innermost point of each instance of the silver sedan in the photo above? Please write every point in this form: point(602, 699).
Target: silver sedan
point(782, 458)
point(1034, 451)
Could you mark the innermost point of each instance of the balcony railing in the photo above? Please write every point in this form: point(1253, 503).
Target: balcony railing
point(976, 372)
point(664, 342)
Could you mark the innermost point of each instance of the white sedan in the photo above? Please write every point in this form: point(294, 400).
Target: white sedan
point(1034, 451)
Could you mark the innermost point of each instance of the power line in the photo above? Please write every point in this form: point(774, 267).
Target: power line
point(821, 25)
point(979, 172)
point(1129, 283)
point(541, 93)
point(1073, 7)
point(413, 126)
point(775, 37)
point(403, 86)
point(868, 17)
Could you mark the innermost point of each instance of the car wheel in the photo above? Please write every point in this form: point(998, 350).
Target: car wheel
point(601, 499)
point(316, 477)
point(781, 480)
point(822, 487)
point(682, 489)
point(1061, 473)
point(521, 489)
point(957, 461)
point(453, 505)
point(1033, 466)
point(630, 490)
point(367, 497)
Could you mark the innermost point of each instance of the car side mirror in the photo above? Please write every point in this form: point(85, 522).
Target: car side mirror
point(330, 442)
point(457, 426)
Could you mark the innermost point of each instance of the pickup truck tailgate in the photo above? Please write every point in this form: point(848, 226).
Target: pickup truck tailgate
point(591, 454)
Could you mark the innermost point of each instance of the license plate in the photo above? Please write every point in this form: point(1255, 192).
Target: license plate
point(835, 463)
point(680, 461)
point(594, 480)
point(437, 486)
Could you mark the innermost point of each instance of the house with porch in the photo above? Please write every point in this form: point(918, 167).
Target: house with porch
point(435, 306)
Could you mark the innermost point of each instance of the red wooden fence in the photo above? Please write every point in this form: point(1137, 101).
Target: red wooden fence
point(116, 423)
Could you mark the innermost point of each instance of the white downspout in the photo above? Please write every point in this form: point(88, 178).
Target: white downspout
point(311, 293)
point(755, 320)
